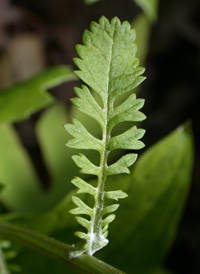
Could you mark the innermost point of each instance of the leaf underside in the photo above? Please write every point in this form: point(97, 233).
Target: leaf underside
point(108, 66)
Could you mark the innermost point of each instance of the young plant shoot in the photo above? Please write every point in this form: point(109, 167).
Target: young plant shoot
point(108, 66)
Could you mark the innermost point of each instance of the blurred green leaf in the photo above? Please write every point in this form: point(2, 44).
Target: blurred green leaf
point(23, 192)
point(2, 186)
point(52, 138)
point(3, 266)
point(22, 187)
point(16, 170)
point(7, 255)
point(148, 219)
point(150, 8)
point(143, 30)
point(21, 100)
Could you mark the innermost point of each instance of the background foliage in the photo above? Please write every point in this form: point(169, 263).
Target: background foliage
point(35, 35)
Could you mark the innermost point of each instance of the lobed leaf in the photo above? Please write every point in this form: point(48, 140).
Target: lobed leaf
point(84, 187)
point(82, 207)
point(109, 219)
point(83, 222)
point(127, 111)
point(127, 140)
point(121, 166)
point(107, 60)
point(88, 105)
point(109, 209)
point(85, 164)
point(81, 235)
point(115, 195)
point(108, 65)
point(82, 138)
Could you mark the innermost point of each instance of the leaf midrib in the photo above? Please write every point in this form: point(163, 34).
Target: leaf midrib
point(104, 152)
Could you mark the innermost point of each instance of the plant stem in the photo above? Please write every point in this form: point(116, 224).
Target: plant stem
point(97, 239)
point(56, 250)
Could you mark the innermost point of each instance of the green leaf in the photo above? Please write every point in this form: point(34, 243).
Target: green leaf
point(51, 137)
point(49, 222)
point(111, 57)
point(128, 111)
point(149, 218)
point(2, 186)
point(83, 222)
point(85, 164)
point(3, 266)
point(109, 209)
point(115, 195)
point(82, 138)
point(22, 187)
point(109, 219)
point(83, 187)
point(127, 140)
point(108, 65)
point(20, 101)
point(22, 184)
point(87, 104)
point(82, 208)
point(81, 235)
point(121, 166)
point(150, 8)
point(8, 254)
point(143, 30)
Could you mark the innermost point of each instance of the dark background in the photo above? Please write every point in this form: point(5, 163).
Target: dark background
point(45, 32)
